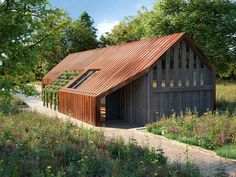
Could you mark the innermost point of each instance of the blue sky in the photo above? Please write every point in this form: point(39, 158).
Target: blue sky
point(106, 13)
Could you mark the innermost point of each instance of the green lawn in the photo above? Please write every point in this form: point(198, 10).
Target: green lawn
point(215, 131)
point(35, 145)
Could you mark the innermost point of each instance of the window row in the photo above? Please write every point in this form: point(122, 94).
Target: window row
point(180, 67)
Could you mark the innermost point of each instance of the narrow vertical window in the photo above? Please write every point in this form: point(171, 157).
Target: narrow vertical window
point(191, 68)
point(180, 66)
point(187, 66)
point(154, 77)
point(183, 74)
point(172, 67)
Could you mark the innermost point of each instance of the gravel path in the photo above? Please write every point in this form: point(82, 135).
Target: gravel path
point(206, 160)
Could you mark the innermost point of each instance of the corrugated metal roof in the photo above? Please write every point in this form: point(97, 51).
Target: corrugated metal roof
point(119, 64)
point(75, 61)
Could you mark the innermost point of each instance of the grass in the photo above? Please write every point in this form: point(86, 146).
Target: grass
point(228, 151)
point(215, 131)
point(35, 145)
point(226, 96)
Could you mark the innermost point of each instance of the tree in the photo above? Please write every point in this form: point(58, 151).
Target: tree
point(81, 35)
point(211, 23)
point(26, 31)
point(55, 52)
point(74, 36)
point(132, 28)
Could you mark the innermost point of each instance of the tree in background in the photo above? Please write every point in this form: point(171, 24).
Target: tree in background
point(26, 31)
point(81, 35)
point(211, 23)
point(33, 38)
point(132, 28)
point(75, 36)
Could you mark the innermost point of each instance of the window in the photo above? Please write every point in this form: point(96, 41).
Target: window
point(83, 78)
point(154, 77)
point(179, 67)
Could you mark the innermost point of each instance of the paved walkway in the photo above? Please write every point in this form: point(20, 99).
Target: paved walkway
point(206, 160)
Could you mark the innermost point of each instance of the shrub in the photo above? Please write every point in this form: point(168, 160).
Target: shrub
point(35, 145)
point(8, 104)
point(209, 131)
point(215, 131)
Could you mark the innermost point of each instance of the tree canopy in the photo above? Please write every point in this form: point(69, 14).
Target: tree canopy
point(26, 30)
point(77, 35)
point(81, 35)
point(211, 23)
point(34, 37)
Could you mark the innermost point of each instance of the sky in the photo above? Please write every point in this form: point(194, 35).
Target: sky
point(106, 13)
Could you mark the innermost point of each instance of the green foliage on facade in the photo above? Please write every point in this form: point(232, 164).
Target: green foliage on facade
point(50, 92)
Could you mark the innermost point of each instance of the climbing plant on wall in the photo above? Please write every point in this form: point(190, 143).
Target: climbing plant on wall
point(50, 92)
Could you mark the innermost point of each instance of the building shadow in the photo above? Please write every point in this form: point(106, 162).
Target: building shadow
point(120, 124)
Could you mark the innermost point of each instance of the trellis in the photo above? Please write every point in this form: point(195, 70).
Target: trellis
point(50, 92)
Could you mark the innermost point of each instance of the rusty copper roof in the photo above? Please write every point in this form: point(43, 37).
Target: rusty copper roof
point(75, 61)
point(118, 65)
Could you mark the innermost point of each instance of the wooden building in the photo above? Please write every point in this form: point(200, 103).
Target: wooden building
point(138, 82)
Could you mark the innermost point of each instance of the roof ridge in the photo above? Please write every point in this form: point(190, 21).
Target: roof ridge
point(126, 43)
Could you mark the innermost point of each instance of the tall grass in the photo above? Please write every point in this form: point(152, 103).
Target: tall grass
point(226, 95)
point(35, 145)
point(215, 131)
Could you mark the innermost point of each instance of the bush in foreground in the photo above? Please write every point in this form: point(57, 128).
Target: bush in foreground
point(35, 145)
point(215, 131)
point(211, 131)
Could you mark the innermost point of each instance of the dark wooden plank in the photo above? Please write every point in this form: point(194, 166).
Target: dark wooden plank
point(206, 75)
point(198, 73)
point(159, 74)
point(183, 74)
point(149, 77)
point(191, 67)
point(176, 66)
point(167, 65)
point(202, 80)
point(186, 89)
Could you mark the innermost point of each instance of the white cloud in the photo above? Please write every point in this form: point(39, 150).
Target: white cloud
point(106, 26)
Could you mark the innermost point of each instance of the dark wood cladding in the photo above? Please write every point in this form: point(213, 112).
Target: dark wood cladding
point(141, 81)
point(81, 107)
point(139, 102)
point(134, 101)
point(129, 103)
point(164, 104)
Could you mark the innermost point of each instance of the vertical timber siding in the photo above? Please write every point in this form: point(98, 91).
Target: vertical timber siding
point(193, 84)
point(133, 101)
point(167, 102)
point(181, 81)
point(81, 107)
point(183, 84)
